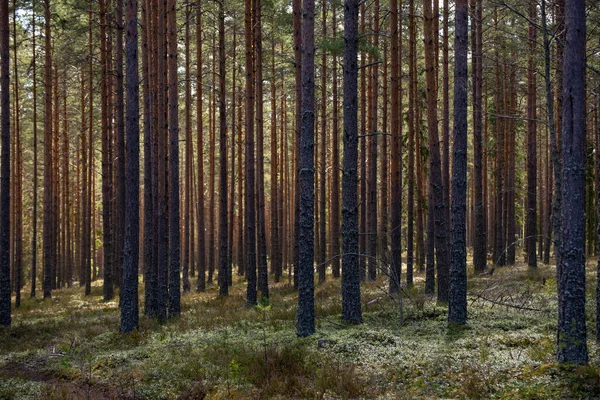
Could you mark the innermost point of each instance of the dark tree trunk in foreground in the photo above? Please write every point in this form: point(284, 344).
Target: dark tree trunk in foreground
point(351, 306)
point(457, 299)
point(571, 345)
point(223, 231)
point(129, 283)
point(5, 291)
point(306, 176)
point(174, 203)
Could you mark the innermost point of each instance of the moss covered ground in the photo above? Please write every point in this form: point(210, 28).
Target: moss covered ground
point(69, 347)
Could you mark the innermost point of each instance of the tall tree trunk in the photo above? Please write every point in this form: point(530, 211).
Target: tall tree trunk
point(479, 245)
point(150, 278)
point(17, 176)
point(34, 217)
point(173, 182)
point(251, 295)
point(531, 219)
point(334, 226)
point(435, 177)
point(200, 149)
point(411, 156)
point(5, 318)
point(188, 209)
point(306, 176)
point(263, 272)
point(129, 283)
point(223, 229)
point(396, 153)
point(457, 305)
point(372, 178)
point(297, 35)
point(572, 345)
point(106, 174)
point(351, 305)
point(119, 202)
point(48, 209)
point(322, 212)
point(275, 191)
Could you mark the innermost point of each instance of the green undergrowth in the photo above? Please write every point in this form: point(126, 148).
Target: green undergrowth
point(219, 348)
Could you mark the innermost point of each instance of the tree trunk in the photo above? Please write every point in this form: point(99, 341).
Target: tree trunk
point(129, 283)
point(531, 218)
point(48, 209)
point(571, 345)
point(435, 178)
point(457, 304)
point(223, 229)
point(200, 149)
point(250, 206)
point(306, 176)
point(351, 305)
point(173, 181)
point(396, 153)
point(5, 292)
point(479, 245)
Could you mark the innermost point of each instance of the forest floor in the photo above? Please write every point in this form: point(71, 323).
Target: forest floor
point(69, 347)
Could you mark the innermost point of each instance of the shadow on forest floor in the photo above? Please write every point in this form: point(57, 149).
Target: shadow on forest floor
point(69, 347)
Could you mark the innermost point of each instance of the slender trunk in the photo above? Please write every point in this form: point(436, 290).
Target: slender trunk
point(351, 305)
point(531, 214)
point(396, 154)
point(5, 318)
point(48, 209)
point(335, 165)
point(223, 229)
point(457, 306)
point(34, 217)
point(435, 177)
point(129, 283)
point(251, 295)
point(200, 150)
point(306, 176)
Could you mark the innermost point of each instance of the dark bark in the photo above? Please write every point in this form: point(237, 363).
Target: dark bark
point(250, 205)
point(531, 214)
point(457, 299)
point(480, 239)
point(306, 176)
point(48, 211)
point(129, 283)
point(173, 182)
point(435, 172)
point(5, 318)
point(119, 181)
point(150, 278)
point(263, 273)
point(351, 305)
point(396, 153)
point(572, 346)
point(223, 229)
